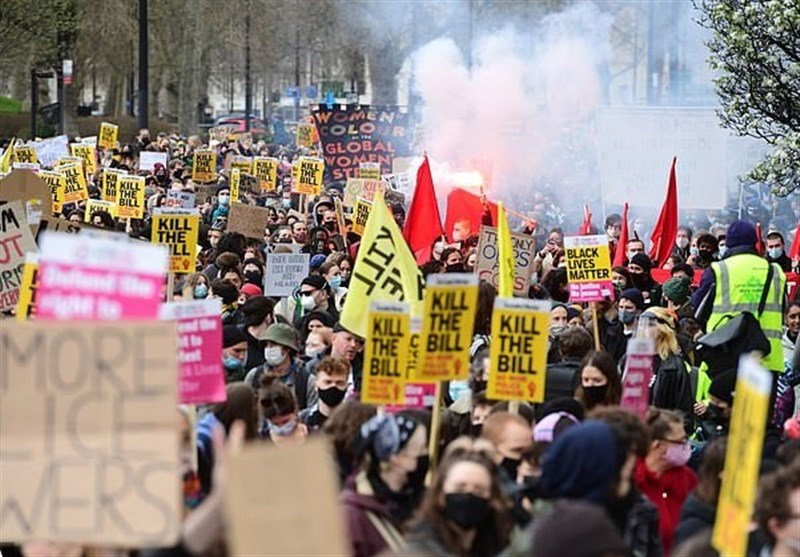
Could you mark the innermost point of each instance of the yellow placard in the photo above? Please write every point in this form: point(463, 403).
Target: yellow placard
point(66, 161)
point(179, 233)
point(742, 458)
point(98, 205)
point(236, 179)
point(588, 268)
point(244, 164)
point(448, 316)
point(361, 215)
point(130, 197)
point(310, 172)
point(26, 305)
point(25, 154)
point(305, 135)
point(87, 154)
point(369, 170)
point(386, 353)
point(265, 169)
point(518, 354)
point(109, 184)
point(74, 182)
point(204, 166)
point(57, 183)
point(107, 137)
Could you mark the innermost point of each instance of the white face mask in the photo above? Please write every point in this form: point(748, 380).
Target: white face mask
point(314, 352)
point(273, 356)
point(682, 242)
point(308, 302)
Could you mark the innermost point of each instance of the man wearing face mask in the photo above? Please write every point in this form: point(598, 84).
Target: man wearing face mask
point(257, 313)
point(510, 434)
point(222, 207)
point(331, 385)
point(280, 359)
point(705, 253)
point(639, 268)
point(776, 251)
point(234, 353)
point(630, 306)
point(682, 240)
point(315, 295)
point(716, 417)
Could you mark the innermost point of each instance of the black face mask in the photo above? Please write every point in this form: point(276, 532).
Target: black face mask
point(715, 414)
point(416, 479)
point(475, 430)
point(466, 510)
point(510, 465)
point(254, 277)
point(595, 395)
point(332, 396)
point(479, 385)
point(457, 268)
point(331, 226)
point(706, 255)
point(640, 280)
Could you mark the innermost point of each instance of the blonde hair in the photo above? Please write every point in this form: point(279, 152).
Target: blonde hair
point(666, 339)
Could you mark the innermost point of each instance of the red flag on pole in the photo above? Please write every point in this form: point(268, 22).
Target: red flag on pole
point(663, 235)
point(465, 206)
point(423, 224)
point(794, 251)
point(586, 226)
point(622, 243)
point(759, 240)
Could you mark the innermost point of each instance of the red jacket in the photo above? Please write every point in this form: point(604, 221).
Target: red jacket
point(668, 493)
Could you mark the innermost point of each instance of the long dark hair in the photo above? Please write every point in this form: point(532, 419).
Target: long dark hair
point(492, 536)
point(608, 367)
point(709, 483)
point(483, 315)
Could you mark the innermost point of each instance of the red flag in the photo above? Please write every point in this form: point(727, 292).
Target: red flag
point(465, 206)
point(586, 227)
point(760, 249)
point(794, 252)
point(663, 235)
point(619, 254)
point(423, 223)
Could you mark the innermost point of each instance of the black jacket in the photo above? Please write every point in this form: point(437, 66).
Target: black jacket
point(616, 342)
point(560, 379)
point(696, 516)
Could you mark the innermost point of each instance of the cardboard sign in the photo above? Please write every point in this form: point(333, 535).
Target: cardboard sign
point(284, 272)
point(25, 154)
point(450, 304)
point(305, 135)
point(23, 185)
point(386, 353)
point(518, 354)
point(637, 376)
point(488, 267)
point(109, 185)
point(265, 169)
point(107, 137)
point(56, 182)
point(369, 170)
point(249, 220)
point(200, 344)
point(588, 268)
point(309, 175)
point(91, 277)
point(253, 524)
point(179, 233)
point(130, 197)
point(236, 179)
point(359, 187)
point(149, 159)
point(90, 444)
point(49, 150)
point(204, 166)
point(74, 183)
point(26, 307)
point(87, 155)
point(182, 199)
point(97, 205)
point(15, 241)
point(743, 457)
point(221, 133)
point(361, 216)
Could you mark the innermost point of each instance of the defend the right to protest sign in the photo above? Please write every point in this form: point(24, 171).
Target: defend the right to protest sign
point(518, 354)
point(742, 457)
point(588, 268)
point(386, 353)
point(90, 447)
point(637, 376)
point(204, 166)
point(179, 233)
point(15, 241)
point(450, 304)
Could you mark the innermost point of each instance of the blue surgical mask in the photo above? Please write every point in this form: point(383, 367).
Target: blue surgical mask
point(335, 282)
point(287, 203)
point(694, 250)
point(775, 253)
point(200, 291)
point(231, 363)
point(224, 200)
point(283, 430)
point(722, 251)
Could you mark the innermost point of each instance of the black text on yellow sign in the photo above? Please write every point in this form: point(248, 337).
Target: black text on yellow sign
point(179, 233)
point(74, 183)
point(518, 353)
point(26, 306)
point(309, 175)
point(204, 166)
point(386, 353)
point(109, 189)
point(265, 169)
point(450, 304)
point(130, 197)
point(56, 183)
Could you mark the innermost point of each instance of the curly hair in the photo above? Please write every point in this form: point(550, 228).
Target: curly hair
point(773, 501)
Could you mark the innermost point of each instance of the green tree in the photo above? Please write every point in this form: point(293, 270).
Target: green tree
point(756, 50)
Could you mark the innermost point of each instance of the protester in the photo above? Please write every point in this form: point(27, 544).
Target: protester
point(600, 383)
point(510, 434)
point(776, 251)
point(778, 511)
point(560, 380)
point(278, 410)
point(640, 268)
point(631, 305)
point(331, 386)
point(257, 317)
point(342, 428)
point(700, 509)
point(234, 353)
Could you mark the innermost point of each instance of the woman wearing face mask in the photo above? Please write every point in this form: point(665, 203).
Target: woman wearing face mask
point(222, 207)
point(333, 275)
point(384, 493)
point(465, 513)
point(318, 343)
point(662, 476)
point(253, 272)
point(195, 287)
point(600, 383)
point(279, 421)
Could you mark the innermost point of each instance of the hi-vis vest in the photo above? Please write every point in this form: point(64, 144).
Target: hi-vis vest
point(739, 284)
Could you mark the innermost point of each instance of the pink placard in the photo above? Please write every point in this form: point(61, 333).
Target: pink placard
point(200, 341)
point(418, 395)
point(637, 376)
point(88, 278)
point(591, 291)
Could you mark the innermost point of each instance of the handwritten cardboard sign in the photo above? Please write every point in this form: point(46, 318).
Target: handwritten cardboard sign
point(15, 241)
point(285, 271)
point(149, 159)
point(488, 267)
point(90, 444)
point(249, 220)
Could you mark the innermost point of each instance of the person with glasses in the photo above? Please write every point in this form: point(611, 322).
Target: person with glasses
point(663, 476)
